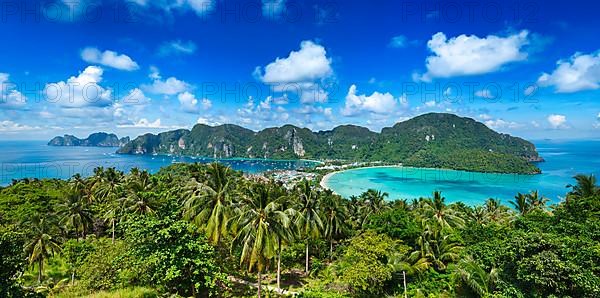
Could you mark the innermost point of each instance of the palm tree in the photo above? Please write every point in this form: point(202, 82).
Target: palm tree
point(521, 204)
point(42, 245)
point(373, 202)
point(438, 210)
point(307, 220)
point(109, 185)
point(536, 201)
point(260, 227)
point(75, 214)
point(208, 203)
point(140, 197)
point(438, 247)
point(476, 278)
point(585, 187)
point(334, 213)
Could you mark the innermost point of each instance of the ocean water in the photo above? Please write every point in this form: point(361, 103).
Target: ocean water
point(34, 159)
point(564, 159)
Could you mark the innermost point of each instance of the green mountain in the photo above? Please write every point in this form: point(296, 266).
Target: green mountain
point(98, 139)
point(430, 140)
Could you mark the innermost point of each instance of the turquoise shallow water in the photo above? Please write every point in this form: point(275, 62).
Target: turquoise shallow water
point(34, 159)
point(564, 159)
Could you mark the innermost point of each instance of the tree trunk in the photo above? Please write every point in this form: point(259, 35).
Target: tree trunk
point(279, 266)
point(40, 264)
point(113, 231)
point(306, 267)
point(259, 283)
point(73, 277)
point(331, 249)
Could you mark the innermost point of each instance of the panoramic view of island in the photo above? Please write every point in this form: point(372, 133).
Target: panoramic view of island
point(287, 148)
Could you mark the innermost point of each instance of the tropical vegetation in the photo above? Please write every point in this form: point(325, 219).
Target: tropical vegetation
point(193, 230)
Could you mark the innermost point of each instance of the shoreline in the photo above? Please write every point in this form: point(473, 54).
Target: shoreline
point(325, 179)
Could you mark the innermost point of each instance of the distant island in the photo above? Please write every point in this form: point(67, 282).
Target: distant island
point(436, 140)
point(99, 139)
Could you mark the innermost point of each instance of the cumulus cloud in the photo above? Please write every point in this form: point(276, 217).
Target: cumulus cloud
point(177, 47)
point(80, 91)
point(190, 104)
point(170, 86)
point(557, 121)
point(303, 72)
point(580, 72)
point(143, 123)
point(136, 97)
point(472, 55)
point(10, 98)
point(378, 103)
point(502, 124)
point(108, 58)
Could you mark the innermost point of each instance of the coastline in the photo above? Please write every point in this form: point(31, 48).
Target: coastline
point(325, 179)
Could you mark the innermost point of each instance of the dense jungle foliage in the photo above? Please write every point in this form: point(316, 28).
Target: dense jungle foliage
point(206, 230)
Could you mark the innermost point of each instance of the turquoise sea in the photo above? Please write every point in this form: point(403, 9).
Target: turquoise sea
point(564, 159)
point(34, 159)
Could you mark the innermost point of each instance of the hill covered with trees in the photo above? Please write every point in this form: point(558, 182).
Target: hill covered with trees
point(98, 139)
point(430, 140)
point(206, 230)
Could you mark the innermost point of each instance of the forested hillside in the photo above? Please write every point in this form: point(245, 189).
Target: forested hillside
point(430, 140)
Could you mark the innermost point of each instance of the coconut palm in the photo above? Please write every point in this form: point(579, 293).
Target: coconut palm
point(521, 204)
point(334, 215)
point(308, 221)
point(109, 185)
point(373, 202)
point(437, 210)
point(260, 227)
point(74, 214)
point(536, 201)
point(208, 203)
point(481, 282)
point(140, 197)
point(438, 247)
point(42, 244)
point(585, 187)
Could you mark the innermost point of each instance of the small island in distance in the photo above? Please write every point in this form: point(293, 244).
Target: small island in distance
point(434, 140)
point(98, 139)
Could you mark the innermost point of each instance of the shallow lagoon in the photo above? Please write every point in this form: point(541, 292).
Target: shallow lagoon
point(564, 159)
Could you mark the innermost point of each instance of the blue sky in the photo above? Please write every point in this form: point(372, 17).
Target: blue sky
point(528, 68)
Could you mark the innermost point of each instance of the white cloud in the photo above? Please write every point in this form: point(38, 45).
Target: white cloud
point(136, 97)
point(485, 117)
point(80, 91)
point(378, 103)
point(557, 121)
point(108, 58)
point(190, 104)
point(485, 93)
point(143, 123)
point(308, 64)
point(502, 124)
point(273, 9)
point(10, 126)
point(176, 47)
point(10, 98)
point(471, 55)
point(302, 72)
point(579, 72)
point(170, 86)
